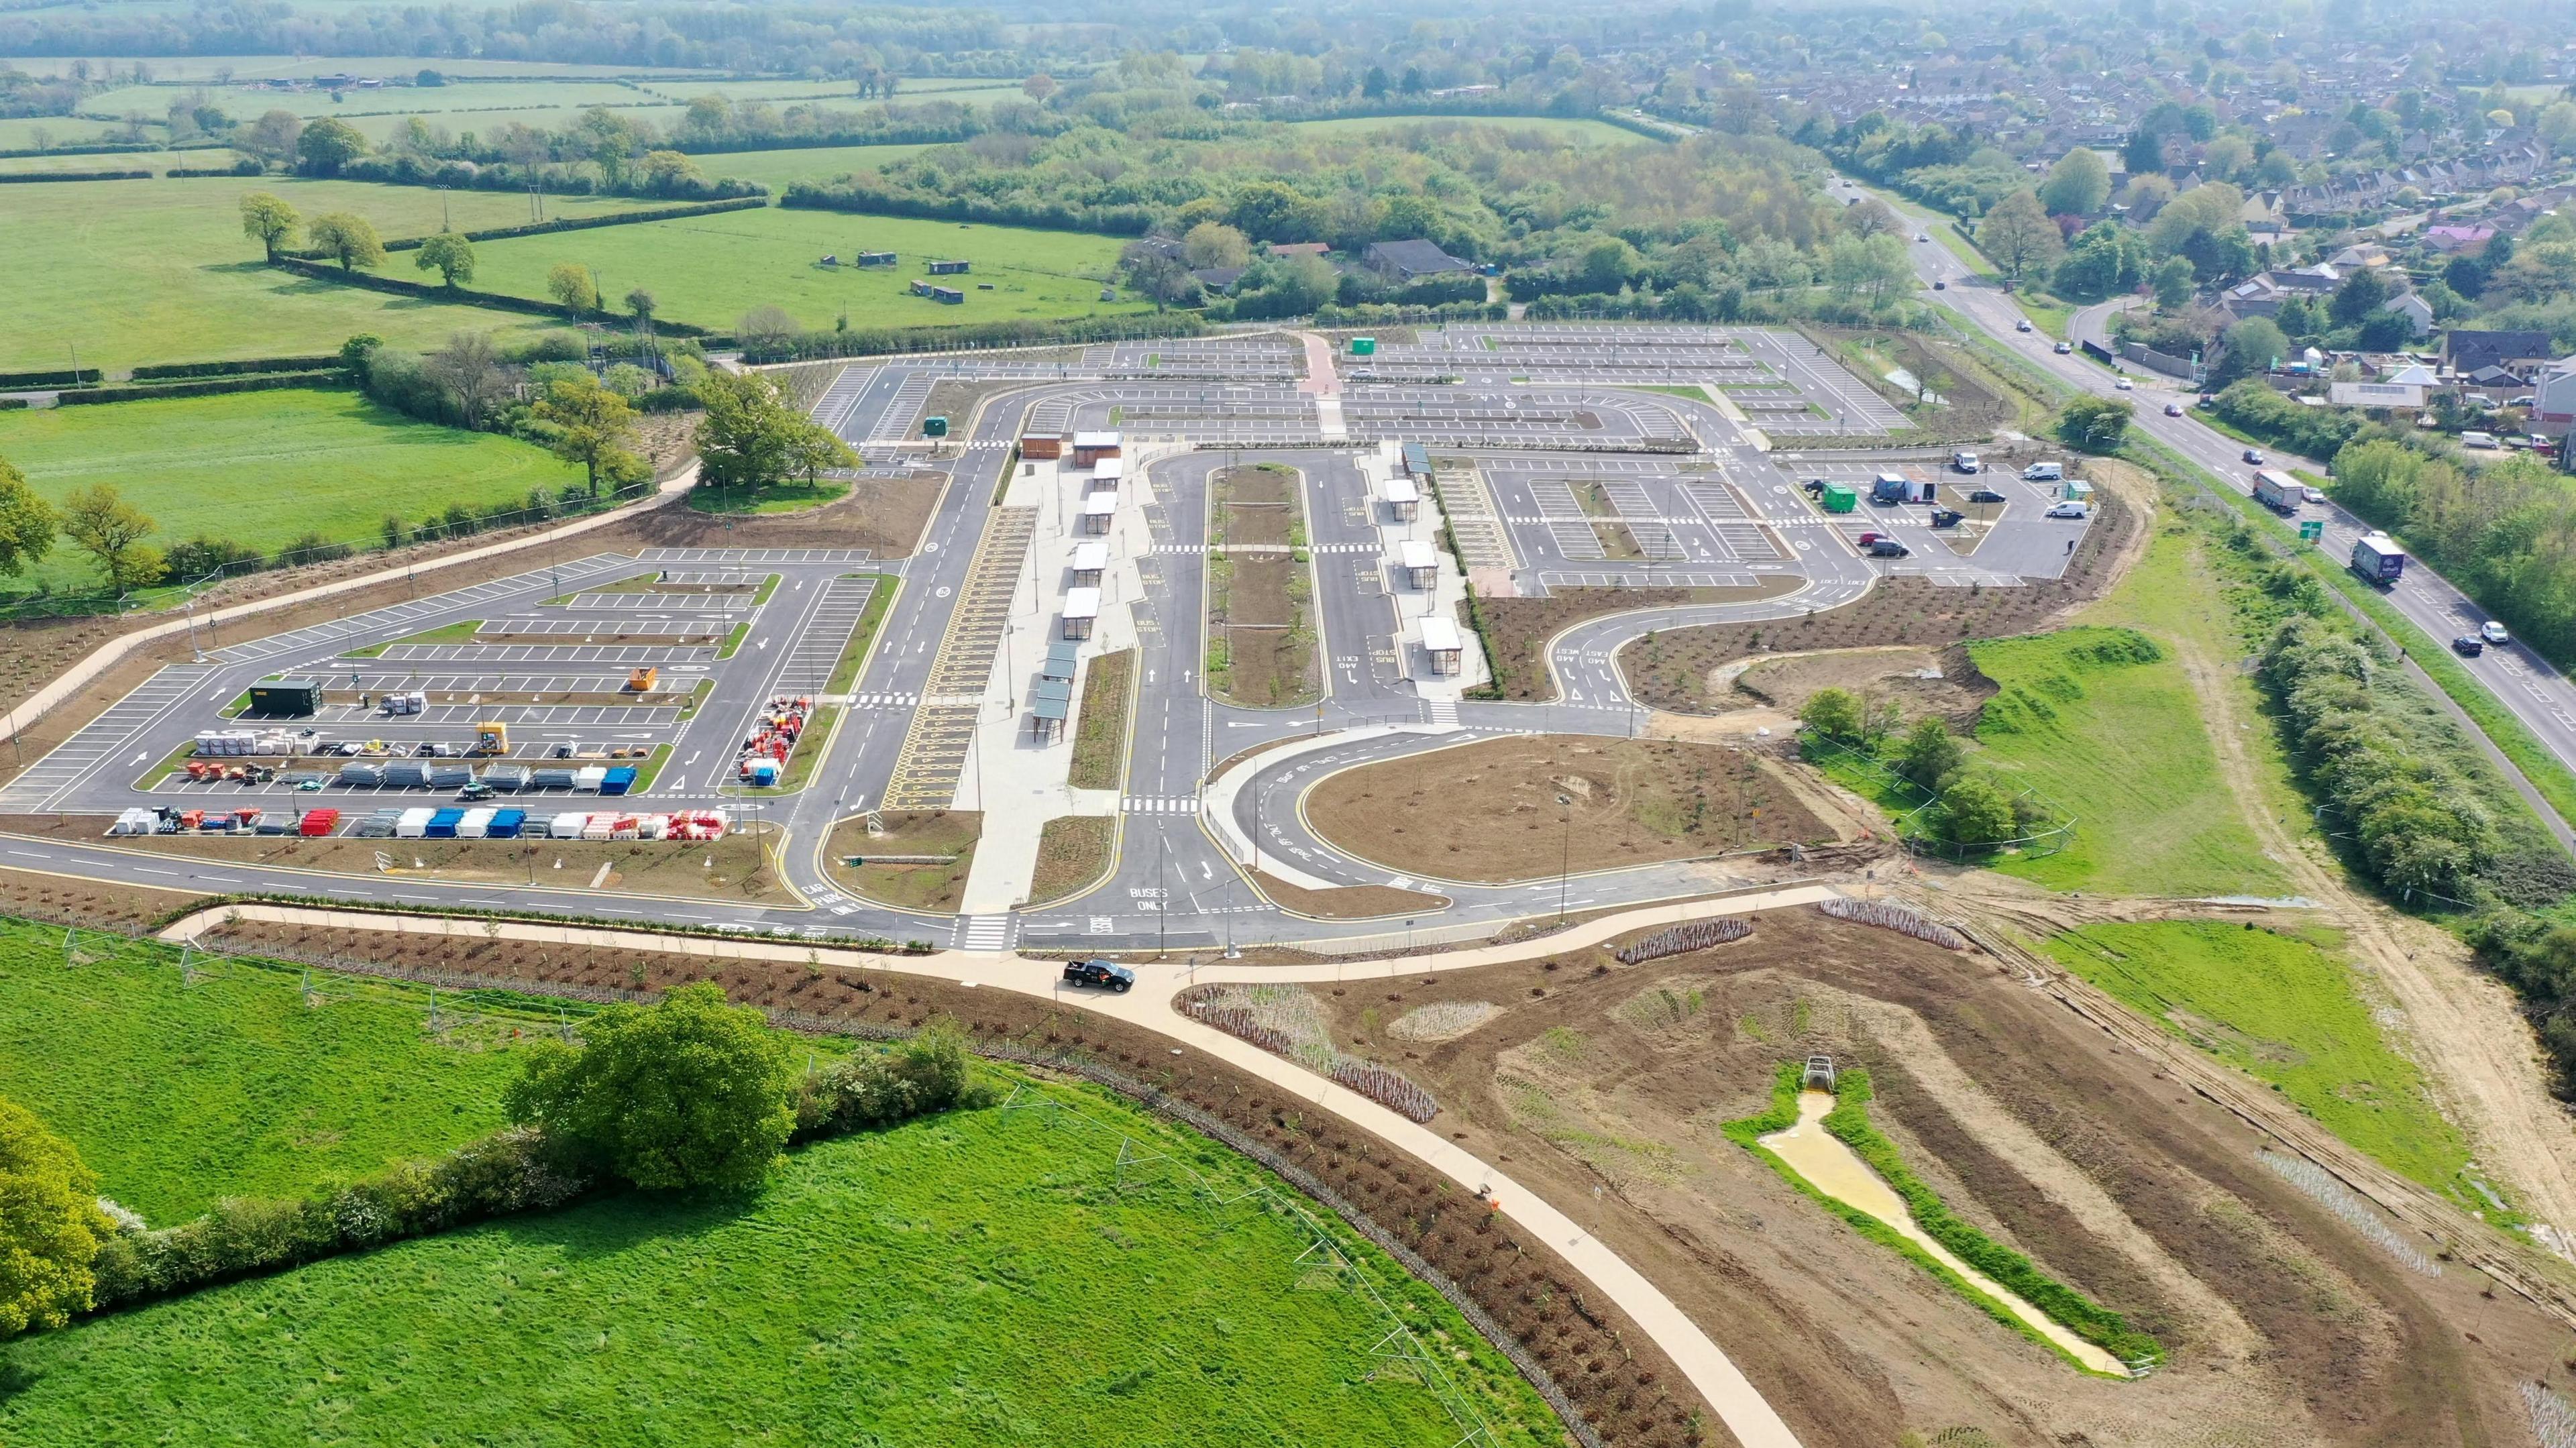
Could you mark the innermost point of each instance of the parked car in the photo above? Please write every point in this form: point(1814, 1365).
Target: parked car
point(2468, 646)
point(1985, 495)
point(1889, 548)
point(1101, 974)
point(2062, 348)
point(1947, 517)
point(2023, 325)
point(2068, 510)
point(2173, 409)
point(2254, 456)
point(2494, 633)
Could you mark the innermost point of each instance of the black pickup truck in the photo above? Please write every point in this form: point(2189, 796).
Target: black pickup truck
point(1099, 973)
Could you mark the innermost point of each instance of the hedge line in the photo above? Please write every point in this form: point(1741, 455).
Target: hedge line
point(243, 167)
point(263, 382)
point(21, 178)
point(584, 223)
point(244, 366)
point(1024, 332)
point(109, 148)
point(1848, 1123)
point(61, 377)
point(466, 295)
point(860, 195)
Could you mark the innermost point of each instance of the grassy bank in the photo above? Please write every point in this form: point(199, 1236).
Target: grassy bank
point(1100, 731)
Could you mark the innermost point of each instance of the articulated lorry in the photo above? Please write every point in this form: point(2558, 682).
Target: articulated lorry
point(2279, 491)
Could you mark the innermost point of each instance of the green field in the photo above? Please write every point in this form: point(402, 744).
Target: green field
point(243, 102)
point(978, 1278)
point(1582, 132)
point(710, 270)
point(775, 169)
point(2282, 1008)
point(264, 468)
point(208, 69)
point(158, 271)
point(18, 133)
point(953, 87)
point(2120, 747)
point(178, 1094)
point(153, 161)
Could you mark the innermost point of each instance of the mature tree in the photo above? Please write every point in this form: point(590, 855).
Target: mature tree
point(742, 442)
point(1868, 270)
point(2078, 185)
point(348, 239)
point(111, 531)
point(1608, 265)
point(642, 304)
point(1977, 813)
point(469, 371)
point(272, 137)
point(327, 145)
point(2148, 195)
point(609, 140)
point(764, 331)
point(2103, 259)
point(26, 523)
point(450, 255)
point(1834, 713)
point(686, 1094)
point(2227, 157)
point(812, 447)
point(1871, 217)
point(593, 427)
point(2018, 236)
point(1215, 244)
point(268, 220)
point(2359, 298)
point(1038, 87)
point(1929, 755)
point(2277, 171)
point(2173, 282)
point(2095, 424)
point(2253, 347)
point(570, 283)
point(50, 1225)
point(668, 172)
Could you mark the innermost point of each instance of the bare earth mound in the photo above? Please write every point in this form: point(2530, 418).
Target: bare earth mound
point(1490, 812)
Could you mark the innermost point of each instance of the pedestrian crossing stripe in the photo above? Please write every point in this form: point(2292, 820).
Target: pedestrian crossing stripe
point(885, 701)
point(1158, 804)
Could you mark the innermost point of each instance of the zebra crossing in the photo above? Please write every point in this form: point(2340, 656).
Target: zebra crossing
point(821, 557)
point(1158, 804)
point(810, 664)
point(884, 701)
point(895, 424)
point(332, 637)
point(102, 739)
point(985, 932)
point(841, 399)
point(1442, 713)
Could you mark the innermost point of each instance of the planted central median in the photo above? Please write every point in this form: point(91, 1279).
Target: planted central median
point(1260, 589)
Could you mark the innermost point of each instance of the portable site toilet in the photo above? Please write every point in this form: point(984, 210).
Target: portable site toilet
point(934, 427)
point(1838, 498)
point(1442, 645)
point(1061, 660)
point(1050, 703)
point(1097, 511)
point(1090, 560)
point(1106, 474)
point(1081, 611)
point(1403, 499)
point(2078, 491)
point(1419, 562)
point(1090, 447)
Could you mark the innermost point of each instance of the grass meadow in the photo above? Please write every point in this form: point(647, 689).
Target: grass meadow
point(179, 1094)
point(153, 161)
point(978, 1278)
point(213, 69)
point(425, 101)
point(710, 270)
point(1579, 131)
point(264, 468)
point(776, 169)
point(159, 271)
point(2283, 1009)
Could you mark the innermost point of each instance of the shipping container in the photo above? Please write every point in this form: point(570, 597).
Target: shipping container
point(287, 698)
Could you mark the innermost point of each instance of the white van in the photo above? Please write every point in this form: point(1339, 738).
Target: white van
point(2478, 440)
point(2044, 473)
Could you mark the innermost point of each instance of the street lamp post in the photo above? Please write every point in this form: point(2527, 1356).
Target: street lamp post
point(1565, 854)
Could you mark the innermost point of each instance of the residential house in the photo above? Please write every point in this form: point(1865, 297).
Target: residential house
point(2472, 354)
point(1408, 261)
point(2417, 312)
point(2553, 396)
point(2452, 240)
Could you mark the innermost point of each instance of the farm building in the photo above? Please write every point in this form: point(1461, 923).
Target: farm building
point(949, 268)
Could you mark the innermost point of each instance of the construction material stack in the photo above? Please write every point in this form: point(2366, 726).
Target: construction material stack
point(764, 755)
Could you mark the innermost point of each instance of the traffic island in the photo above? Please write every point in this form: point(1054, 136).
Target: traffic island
point(916, 860)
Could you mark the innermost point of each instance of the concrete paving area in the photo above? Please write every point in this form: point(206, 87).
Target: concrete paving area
point(1565, 456)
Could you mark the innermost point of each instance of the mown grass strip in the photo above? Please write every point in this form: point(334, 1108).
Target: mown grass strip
point(1100, 735)
point(1848, 1123)
point(854, 657)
